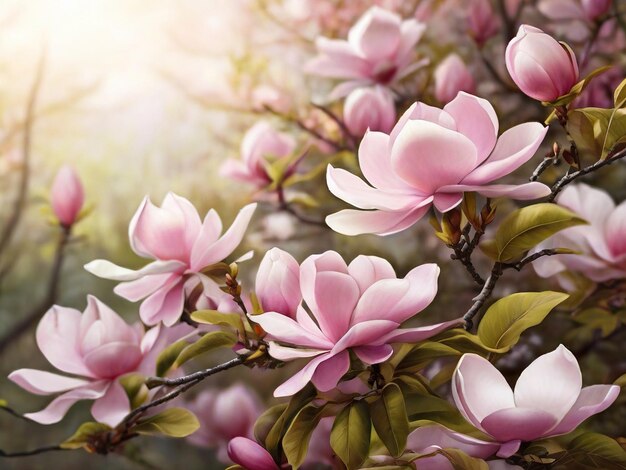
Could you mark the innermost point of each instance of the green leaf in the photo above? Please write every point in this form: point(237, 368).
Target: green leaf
point(505, 320)
point(465, 342)
point(619, 97)
point(597, 318)
point(423, 354)
point(390, 419)
point(621, 381)
point(597, 130)
point(592, 450)
point(173, 422)
point(84, 435)
point(134, 385)
point(166, 359)
point(461, 461)
point(266, 421)
point(276, 433)
point(213, 317)
point(350, 435)
point(208, 342)
point(524, 228)
point(298, 435)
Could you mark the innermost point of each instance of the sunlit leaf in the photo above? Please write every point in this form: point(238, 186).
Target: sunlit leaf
point(390, 420)
point(173, 422)
point(85, 434)
point(296, 440)
point(350, 435)
point(209, 342)
point(166, 359)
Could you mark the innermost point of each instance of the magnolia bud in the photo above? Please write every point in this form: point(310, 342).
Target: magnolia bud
point(540, 66)
point(594, 9)
point(67, 196)
point(482, 22)
point(452, 76)
point(369, 108)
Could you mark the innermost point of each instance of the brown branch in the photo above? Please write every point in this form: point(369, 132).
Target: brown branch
point(28, 453)
point(17, 330)
point(529, 259)
point(18, 206)
point(484, 294)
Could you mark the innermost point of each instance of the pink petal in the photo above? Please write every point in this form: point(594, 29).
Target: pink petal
point(398, 299)
point(522, 192)
point(427, 439)
point(112, 407)
point(336, 59)
point(149, 339)
point(479, 389)
point(616, 230)
point(113, 359)
point(203, 256)
point(411, 32)
point(375, 162)
point(284, 353)
point(250, 455)
point(192, 224)
point(445, 202)
point(592, 204)
point(299, 380)
point(376, 35)
point(356, 222)
point(107, 270)
point(415, 335)
point(237, 170)
point(328, 373)
point(428, 156)
point(165, 305)
point(40, 382)
point(592, 400)
point(514, 148)
point(58, 339)
point(476, 119)
point(373, 354)
point(142, 287)
point(366, 270)
point(277, 283)
point(551, 383)
point(524, 424)
point(422, 112)
point(368, 333)
point(356, 192)
point(58, 407)
point(285, 329)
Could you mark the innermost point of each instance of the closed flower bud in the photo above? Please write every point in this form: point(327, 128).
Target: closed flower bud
point(593, 9)
point(452, 76)
point(369, 108)
point(67, 196)
point(482, 22)
point(539, 65)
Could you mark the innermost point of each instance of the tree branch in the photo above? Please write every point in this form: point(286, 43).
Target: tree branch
point(529, 259)
point(484, 294)
point(27, 453)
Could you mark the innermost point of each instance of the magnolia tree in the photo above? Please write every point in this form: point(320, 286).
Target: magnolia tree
point(405, 134)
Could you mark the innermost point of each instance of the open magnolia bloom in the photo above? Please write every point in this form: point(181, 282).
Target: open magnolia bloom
point(548, 399)
point(357, 307)
point(380, 50)
point(182, 246)
point(97, 346)
point(431, 157)
point(601, 245)
point(261, 144)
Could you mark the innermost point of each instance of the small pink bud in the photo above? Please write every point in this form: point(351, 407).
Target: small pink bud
point(539, 65)
point(67, 196)
point(250, 455)
point(452, 76)
point(369, 108)
point(594, 9)
point(482, 22)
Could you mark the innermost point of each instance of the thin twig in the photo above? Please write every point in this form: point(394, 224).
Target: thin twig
point(27, 453)
point(484, 294)
point(570, 177)
point(543, 166)
point(529, 259)
point(342, 125)
point(18, 207)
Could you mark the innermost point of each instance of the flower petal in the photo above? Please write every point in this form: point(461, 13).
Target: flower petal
point(107, 270)
point(284, 329)
point(522, 192)
point(142, 287)
point(165, 305)
point(366, 270)
point(284, 353)
point(328, 373)
point(374, 354)
point(427, 439)
point(368, 333)
point(523, 424)
point(299, 380)
point(356, 222)
point(113, 406)
point(415, 335)
point(551, 383)
point(41, 382)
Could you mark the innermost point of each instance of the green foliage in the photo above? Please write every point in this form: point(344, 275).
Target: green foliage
point(298, 435)
point(597, 130)
point(350, 435)
point(266, 421)
point(213, 317)
point(166, 359)
point(509, 317)
point(134, 385)
point(173, 422)
point(524, 228)
point(85, 435)
point(389, 418)
point(592, 450)
point(423, 354)
point(208, 342)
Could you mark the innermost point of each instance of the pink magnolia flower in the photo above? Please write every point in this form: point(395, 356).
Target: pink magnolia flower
point(97, 346)
point(540, 66)
point(250, 455)
point(369, 108)
point(601, 244)
point(482, 22)
point(67, 196)
point(261, 145)
point(278, 283)
point(182, 246)
point(452, 76)
point(588, 10)
point(548, 399)
point(379, 49)
point(358, 307)
point(594, 9)
point(431, 157)
point(224, 415)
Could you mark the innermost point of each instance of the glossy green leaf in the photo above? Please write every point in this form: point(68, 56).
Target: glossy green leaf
point(619, 97)
point(505, 320)
point(597, 130)
point(525, 228)
point(84, 435)
point(134, 385)
point(298, 435)
point(461, 461)
point(592, 450)
point(166, 359)
point(390, 420)
point(209, 342)
point(423, 354)
point(213, 317)
point(173, 422)
point(266, 421)
point(350, 435)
